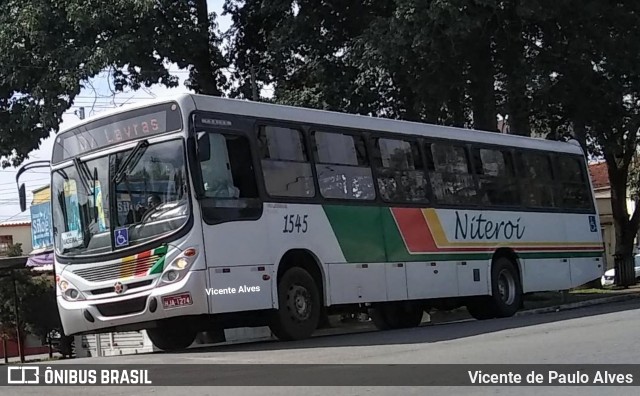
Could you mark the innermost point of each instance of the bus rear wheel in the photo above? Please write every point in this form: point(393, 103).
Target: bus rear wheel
point(299, 306)
point(172, 336)
point(506, 293)
point(396, 315)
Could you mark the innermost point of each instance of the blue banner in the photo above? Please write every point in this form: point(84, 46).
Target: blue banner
point(41, 228)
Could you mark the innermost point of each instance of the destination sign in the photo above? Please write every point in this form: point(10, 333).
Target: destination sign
point(136, 124)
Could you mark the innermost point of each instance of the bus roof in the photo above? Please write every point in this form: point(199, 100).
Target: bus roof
point(345, 120)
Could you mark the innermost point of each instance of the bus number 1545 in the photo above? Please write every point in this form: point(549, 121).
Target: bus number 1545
point(295, 223)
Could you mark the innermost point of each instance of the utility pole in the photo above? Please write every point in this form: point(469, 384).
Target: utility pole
point(17, 314)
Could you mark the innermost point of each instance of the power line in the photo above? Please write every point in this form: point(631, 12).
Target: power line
point(11, 217)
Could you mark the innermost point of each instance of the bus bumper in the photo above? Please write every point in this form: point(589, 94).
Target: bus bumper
point(185, 297)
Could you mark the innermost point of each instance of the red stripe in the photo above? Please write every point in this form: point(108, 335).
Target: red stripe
point(413, 227)
point(141, 269)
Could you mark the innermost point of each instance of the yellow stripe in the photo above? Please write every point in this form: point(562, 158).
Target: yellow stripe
point(127, 271)
point(441, 240)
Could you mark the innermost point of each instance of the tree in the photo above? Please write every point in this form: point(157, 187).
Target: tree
point(591, 85)
point(36, 304)
point(40, 310)
point(14, 250)
point(51, 49)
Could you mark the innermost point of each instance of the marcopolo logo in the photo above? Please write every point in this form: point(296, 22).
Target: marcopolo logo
point(18, 375)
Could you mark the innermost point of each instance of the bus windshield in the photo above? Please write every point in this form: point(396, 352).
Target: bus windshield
point(94, 212)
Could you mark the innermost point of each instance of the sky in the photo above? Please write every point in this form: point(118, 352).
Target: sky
point(95, 98)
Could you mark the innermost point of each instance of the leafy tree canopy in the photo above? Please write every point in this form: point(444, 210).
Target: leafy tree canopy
point(51, 48)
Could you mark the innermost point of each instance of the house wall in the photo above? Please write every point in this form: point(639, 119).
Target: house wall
point(20, 233)
point(603, 201)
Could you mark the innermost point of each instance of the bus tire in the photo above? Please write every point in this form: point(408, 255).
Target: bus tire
point(506, 293)
point(299, 306)
point(171, 336)
point(396, 315)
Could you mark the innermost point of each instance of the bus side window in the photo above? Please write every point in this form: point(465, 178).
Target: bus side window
point(496, 181)
point(451, 181)
point(401, 176)
point(285, 164)
point(572, 184)
point(228, 173)
point(536, 182)
point(342, 166)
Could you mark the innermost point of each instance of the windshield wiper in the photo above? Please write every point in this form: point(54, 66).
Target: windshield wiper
point(131, 160)
point(83, 173)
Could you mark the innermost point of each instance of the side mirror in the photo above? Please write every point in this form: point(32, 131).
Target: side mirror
point(21, 189)
point(23, 198)
point(204, 147)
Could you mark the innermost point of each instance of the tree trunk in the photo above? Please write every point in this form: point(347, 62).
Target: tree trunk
point(5, 349)
point(205, 79)
point(625, 229)
point(580, 134)
point(482, 89)
point(516, 72)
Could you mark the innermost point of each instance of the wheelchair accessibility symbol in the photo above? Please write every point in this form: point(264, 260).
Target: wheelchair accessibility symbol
point(592, 224)
point(122, 237)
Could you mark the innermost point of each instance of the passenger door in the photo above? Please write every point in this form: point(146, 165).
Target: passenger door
point(236, 250)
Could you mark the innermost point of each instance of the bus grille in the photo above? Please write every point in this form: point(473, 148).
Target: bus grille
point(125, 307)
point(129, 286)
point(127, 269)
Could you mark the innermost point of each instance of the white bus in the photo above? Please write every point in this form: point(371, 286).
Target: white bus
point(204, 213)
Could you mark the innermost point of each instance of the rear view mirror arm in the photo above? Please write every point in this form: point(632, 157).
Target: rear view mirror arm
point(21, 187)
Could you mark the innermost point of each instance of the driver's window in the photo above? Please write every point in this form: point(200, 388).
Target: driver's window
point(156, 180)
point(228, 173)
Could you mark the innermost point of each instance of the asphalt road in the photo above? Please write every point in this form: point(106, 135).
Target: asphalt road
point(605, 334)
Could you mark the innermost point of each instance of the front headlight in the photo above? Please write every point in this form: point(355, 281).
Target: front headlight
point(179, 266)
point(181, 263)
point(68, 291)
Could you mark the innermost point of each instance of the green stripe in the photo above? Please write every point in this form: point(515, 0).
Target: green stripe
point(358, 230)
point(540, 255)
point(161, 251)
point(396, 248)
point(157, 267)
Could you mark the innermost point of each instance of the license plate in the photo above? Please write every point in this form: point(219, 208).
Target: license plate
point(177, 300)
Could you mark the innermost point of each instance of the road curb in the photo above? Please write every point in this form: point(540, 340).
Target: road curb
point(580, 304)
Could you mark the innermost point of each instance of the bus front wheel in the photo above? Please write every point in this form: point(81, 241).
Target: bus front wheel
point(506, 293)
point(170, 336)
point(299, 306)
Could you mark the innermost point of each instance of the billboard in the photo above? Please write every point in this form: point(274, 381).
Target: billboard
point(41, 227)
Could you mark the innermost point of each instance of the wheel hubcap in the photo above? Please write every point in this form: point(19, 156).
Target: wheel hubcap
point(506, 287)
point(299, 303)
